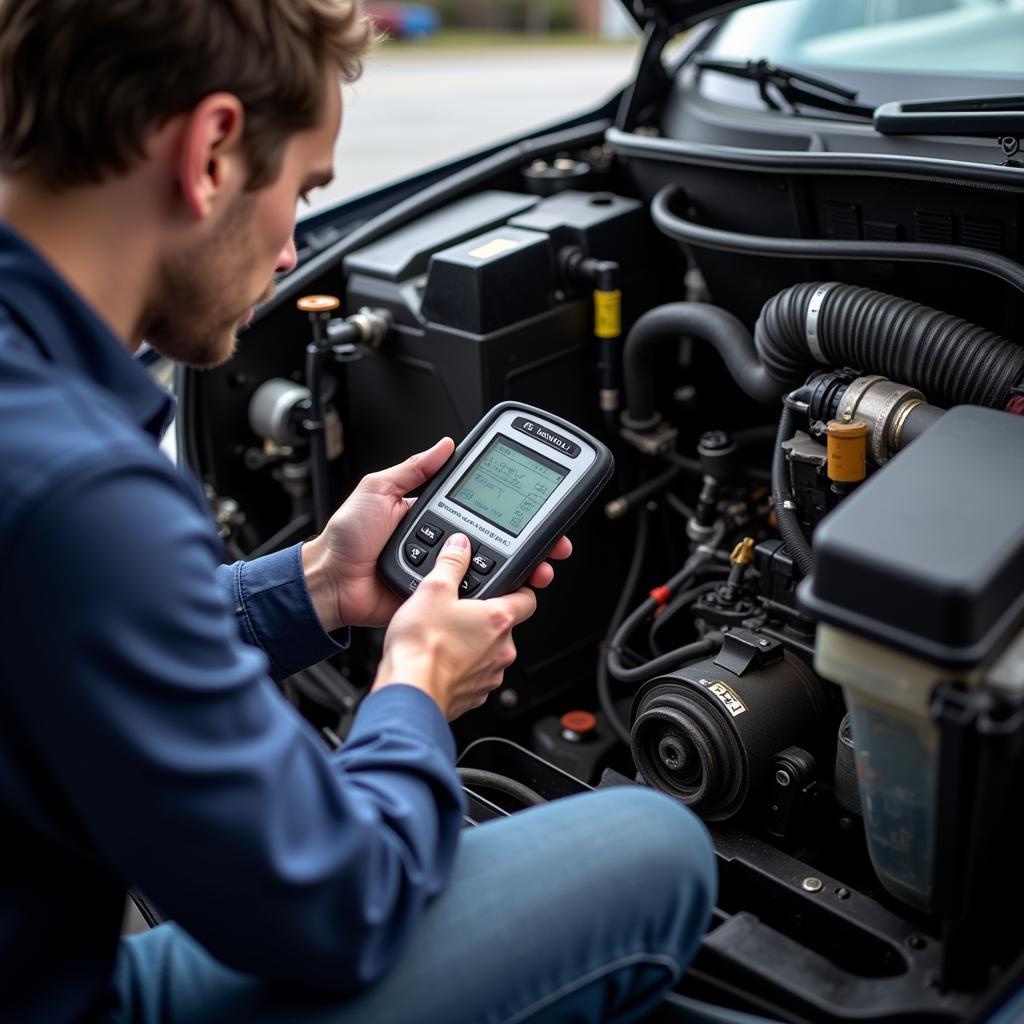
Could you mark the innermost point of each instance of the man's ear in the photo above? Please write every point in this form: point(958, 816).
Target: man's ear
point(211, 158)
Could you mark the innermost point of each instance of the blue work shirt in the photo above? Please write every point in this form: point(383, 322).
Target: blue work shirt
point(142, 738)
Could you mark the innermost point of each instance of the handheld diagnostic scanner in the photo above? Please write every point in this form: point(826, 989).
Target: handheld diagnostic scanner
point(518, 481)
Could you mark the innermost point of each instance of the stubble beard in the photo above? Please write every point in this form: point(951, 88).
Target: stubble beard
point(194, 318)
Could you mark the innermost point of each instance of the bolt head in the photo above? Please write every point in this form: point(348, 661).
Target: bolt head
point(812, 885)
point(671, 754)
point(714, 440)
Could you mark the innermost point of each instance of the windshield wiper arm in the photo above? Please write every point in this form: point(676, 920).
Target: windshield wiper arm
point(795, 87)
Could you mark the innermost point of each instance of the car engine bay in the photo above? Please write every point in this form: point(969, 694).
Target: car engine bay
point(798, 606)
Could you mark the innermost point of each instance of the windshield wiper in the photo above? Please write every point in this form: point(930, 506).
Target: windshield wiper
point(794, 87)
point(974, 116)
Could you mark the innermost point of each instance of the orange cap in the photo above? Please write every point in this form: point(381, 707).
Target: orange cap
point(580, 722)
point(847, 451)
point(318, 303)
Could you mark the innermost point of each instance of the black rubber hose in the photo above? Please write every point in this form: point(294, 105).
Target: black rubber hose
point(615, 646)
point(681, 601)
point(679, 506)
point(952, 361)
point(782, 498)
point(671, 659)
point(687, 465)
point(683, 230)
point(652, 488)
point(604, 693)
point(480, 779)
point(671, 322)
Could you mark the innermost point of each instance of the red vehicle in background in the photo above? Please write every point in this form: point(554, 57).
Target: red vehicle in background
point(404, 21)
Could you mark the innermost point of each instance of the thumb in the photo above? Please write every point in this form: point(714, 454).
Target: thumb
point(416, 470)
point(452, 560)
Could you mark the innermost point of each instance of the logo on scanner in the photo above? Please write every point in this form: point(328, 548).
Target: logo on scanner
point(548, 437)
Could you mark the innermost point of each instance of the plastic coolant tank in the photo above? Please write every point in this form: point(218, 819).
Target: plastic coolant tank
point(896, 747)
point(917, 581)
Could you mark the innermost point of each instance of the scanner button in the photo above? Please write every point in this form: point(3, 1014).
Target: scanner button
point(468, 585)
point(482, 564)
point(430, 535)
point(415, 553)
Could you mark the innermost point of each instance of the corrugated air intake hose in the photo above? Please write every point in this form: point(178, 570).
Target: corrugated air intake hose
point(952, 361)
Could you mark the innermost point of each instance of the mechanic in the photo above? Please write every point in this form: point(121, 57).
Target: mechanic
point(151, 158)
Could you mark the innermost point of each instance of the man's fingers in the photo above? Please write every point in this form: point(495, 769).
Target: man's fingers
point(521, 604)
point(562, 548)
point(452, 561)
point(541, 576)
point(416, 470)
point(544, 573)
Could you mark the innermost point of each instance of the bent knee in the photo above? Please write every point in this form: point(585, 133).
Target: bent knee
point(668, 851)
point(672, 830)
point(666, 839)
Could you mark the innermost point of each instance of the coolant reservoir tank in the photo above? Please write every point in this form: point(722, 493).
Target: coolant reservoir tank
point(918, 581)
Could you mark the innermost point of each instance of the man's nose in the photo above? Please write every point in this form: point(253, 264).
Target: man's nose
point(287, 258)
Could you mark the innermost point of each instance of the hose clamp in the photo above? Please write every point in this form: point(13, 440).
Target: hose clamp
point(811, 326)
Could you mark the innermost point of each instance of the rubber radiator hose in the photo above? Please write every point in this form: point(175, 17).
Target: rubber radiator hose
point(699, 320)
point(683, 230)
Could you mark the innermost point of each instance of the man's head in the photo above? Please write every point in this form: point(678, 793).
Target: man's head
point(222, 111)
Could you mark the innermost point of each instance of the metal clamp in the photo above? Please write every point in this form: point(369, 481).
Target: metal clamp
point(811, 326)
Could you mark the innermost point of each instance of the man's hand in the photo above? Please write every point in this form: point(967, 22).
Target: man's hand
point(341, 564)
point(455, 651)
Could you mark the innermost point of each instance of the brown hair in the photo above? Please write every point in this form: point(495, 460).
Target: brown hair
point(83, 83)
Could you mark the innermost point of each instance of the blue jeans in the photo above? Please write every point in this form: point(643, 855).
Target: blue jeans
point(586, 909)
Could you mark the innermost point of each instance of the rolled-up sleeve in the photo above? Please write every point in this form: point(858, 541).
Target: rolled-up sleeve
point(186, 770)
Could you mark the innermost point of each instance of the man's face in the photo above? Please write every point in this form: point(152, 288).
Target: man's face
point(207, 291)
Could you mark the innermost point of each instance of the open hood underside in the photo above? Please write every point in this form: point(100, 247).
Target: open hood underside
point(675, 15)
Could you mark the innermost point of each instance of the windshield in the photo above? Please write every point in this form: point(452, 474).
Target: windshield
point(977, 39)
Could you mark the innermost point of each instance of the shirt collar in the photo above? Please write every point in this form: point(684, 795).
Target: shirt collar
point(68, 332)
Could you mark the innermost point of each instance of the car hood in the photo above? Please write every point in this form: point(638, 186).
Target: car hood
point(675, 15)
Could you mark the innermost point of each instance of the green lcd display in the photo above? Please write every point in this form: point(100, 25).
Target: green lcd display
point(507, 485)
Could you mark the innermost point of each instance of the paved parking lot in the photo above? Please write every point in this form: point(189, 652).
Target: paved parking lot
point(417, 107)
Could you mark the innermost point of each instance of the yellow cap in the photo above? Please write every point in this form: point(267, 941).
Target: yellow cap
point(607, 314)
point(847, 451)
